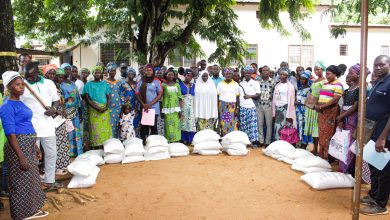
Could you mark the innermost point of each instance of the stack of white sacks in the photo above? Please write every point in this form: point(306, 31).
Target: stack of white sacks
point(84, 169)
point(235, 143)
point(134, 151)
point(206, 142)
point(178, 150)
point(156, 148)
point(114, 152)
point(318, 172)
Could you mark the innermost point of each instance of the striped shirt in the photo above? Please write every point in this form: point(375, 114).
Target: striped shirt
point(329, 90)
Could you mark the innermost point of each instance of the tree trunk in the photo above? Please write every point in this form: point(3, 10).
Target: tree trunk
point(7, 38)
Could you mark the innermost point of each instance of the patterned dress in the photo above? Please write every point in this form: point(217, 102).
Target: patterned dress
point(171, 109)
point(130, 98)
point(311, 116)
point(127, 126)
point(301, 109)
point(73, 103)
point(188, 124)
point(115, 105)
point(228, 118)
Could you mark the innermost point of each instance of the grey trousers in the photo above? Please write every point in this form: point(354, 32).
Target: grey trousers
point(50, 148)
point(264, 113)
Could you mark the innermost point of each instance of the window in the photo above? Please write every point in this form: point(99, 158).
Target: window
point(384, 50)
point(343, 50)
point(43, 61)
point(252, 58)
point(300, 55)
point(179, 60)
point(115, 52)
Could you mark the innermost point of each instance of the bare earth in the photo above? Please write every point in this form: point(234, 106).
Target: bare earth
point(207, 187)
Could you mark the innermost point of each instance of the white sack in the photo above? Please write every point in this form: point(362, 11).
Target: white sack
point(207, 145)
point(157, 149)
point(132, 140)
point(178, 150)
point(209, 152)
point(328, 180)
point(309, 169)
point(95, 152)
point(155, 140)
point(235, 146)
point(113, 158)
point(180, 154)
point(84, 182)
point(134, 147)
point(133, 159)
point(233, 152)
point(157, 156)
point(95, 158)
point(236, 137)
point(205, 135)
point(286, 160)
point(277, 146)
point(81, 167)
point(312, 161)
point(287, 153)
point(113, 146)
point(301, 153)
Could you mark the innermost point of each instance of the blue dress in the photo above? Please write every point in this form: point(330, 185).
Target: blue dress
point(301, 97)
point(130, 98)
point(115, 105)
point(187, 121)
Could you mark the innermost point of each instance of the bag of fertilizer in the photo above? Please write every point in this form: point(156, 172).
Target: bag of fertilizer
point(99, 153)
point(97, 159)
point(233, 152)
point(178, 150)
point(82, 167)
point(287, 153)
point(134, 147)
point(113, 146)
point(286, 160)
point(236, 137)
point(113, 158)
point(234, 146)
point(155, 140)
point(301, 153)
point(274, 149)
point(157, 149)
point(312, 161)
point(205, 135)
point(157, 156)
point(328, 180)
point(207, 145)
point(209, 152)
point(84, 182)
point(133, 159)
point(309, 169)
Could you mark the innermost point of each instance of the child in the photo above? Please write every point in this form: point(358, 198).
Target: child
point(126, 123)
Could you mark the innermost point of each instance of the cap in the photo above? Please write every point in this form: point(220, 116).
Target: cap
point(123, 65)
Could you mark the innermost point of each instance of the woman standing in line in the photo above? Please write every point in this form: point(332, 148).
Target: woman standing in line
point(187, 120)
point(328, 109)
point(97, 95)
point(205, 102)
point(171, 107)
point(283, 103)
point(130, 98)
point(303, 91)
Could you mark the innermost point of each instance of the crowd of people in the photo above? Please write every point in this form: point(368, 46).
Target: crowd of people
point(65, 111)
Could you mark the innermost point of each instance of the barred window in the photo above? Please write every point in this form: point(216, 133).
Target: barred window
point(115, 52)
point(343, 50)
point(300, 55)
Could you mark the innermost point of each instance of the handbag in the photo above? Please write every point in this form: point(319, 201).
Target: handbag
point(289, 133)
point(339, 144)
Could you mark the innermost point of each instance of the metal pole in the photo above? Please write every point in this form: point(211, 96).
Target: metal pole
point(362, 108)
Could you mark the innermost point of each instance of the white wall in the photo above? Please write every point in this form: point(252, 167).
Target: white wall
point(89, 56)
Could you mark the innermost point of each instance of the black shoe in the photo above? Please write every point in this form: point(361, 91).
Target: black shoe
point(373, 210)
point(367, 200)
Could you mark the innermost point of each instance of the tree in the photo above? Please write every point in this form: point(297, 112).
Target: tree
point(7, 38)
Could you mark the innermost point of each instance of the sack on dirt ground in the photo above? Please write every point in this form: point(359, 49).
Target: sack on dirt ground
point(297, 167)
point(301, 153)
point(82, 167)
point(236, 137)
point(133, 159)
point(97, 159)
point(96, 152)
point(84, 182)
point(286, 160)
point(134, 147)
point(205, 135)
point(207, 145)
point(234, 146)
point(275, 148)
point(113, 146)
point(233, 152)
point(209, 152)
point(328, 180)
point(339, 144)
point(113, 158)
point(178, 150)
point(156, 140)
point(312, 161)
point(157, 156)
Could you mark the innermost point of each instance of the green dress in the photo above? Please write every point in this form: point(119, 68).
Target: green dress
point(171, 109)
point(311, 116)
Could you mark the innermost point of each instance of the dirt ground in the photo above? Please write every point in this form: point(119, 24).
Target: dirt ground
point(207, 187)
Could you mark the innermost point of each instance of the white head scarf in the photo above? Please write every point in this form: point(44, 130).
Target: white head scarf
point(8, 76)
point(206, 103)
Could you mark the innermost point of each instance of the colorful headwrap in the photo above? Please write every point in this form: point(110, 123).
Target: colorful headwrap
point(65, 65)
point(100, 68)
point(320, 64)
point(149, 66)
point(111, 67)
point(48, 67)
point(248, 68)
point(60, 71)
point(285, 70)
point(157, 68)
point(306, 74)
point(131, 70)
point(83, 70)
point(228, 70)
point(355, 69)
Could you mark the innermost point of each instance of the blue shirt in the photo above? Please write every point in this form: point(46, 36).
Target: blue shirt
point(16, 118)
point(217, 80)
point(152, 91)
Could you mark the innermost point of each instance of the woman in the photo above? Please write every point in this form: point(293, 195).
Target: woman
point(283, 108)
point(62, 141)
point(84, 73)
point(205, 102)
point(149, 92)
point(115, 100)
point(328, 109)
point(229, 100)
point(303, 91)
point(130, 98)
point(187, 120)
point(73, 108)
point(25, 194)
point(97, 96)
point(311, 115)
point(249, 90)
point(171, 107)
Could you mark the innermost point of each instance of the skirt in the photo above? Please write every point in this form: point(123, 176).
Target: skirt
point(76, 138)
point(248, 123)
point(84, 109)
point(327, 125)
point(301, 124)
point(280, 119)
point(228, 118)
point(202, 124)
point(114, 121)
point(99, 126)
point(160, 125)
point(63, 158)
point(172, 127)
point(311, 123)
point(25, 194)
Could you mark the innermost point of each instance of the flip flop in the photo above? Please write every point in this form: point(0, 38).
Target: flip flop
point(61, 172)
point(39, 214)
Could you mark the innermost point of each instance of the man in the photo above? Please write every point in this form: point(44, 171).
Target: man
point(264, 106)
point(202, 65)
point(215, 75)
point(378, 109)
point(24, 58)
point(123, 70)
point(42, 119)
point(74, 77)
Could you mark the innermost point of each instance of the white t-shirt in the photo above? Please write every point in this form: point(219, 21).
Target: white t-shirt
point(280, 96)
point(80, 86)
point(251, 88)
point(47, 91)
point(228, 92)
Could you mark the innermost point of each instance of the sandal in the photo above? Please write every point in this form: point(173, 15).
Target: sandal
point(53, 186)
point(39, 214)
point(61, 172)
